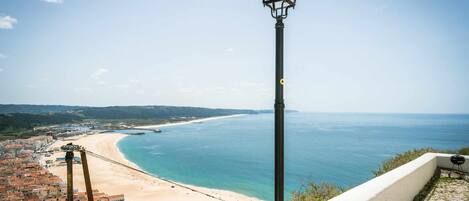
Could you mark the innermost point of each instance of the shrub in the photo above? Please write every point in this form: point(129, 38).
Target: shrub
point(401, 159)
point(464, 151)
point(317, 192)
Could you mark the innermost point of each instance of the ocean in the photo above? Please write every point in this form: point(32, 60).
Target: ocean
point(236, 153)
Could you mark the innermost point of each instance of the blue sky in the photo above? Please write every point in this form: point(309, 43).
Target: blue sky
point(341, 56)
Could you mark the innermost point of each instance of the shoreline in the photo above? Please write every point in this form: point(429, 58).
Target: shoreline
point(189, 122)
point(113, 179)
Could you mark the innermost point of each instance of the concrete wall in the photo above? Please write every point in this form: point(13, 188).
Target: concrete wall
point(402, 183)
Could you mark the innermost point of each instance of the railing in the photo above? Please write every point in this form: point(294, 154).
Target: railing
point(402, 183)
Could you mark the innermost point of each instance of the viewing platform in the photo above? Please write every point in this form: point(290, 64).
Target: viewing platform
point(404, 182)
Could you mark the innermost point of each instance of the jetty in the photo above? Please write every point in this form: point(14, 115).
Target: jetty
point(145, 129)
point(137, 133)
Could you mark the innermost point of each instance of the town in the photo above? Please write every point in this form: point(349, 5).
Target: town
point(23, 177)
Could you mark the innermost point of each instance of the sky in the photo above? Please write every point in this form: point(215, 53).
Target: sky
point(393, 56)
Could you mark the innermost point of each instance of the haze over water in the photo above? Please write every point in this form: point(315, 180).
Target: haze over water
point(237, 153)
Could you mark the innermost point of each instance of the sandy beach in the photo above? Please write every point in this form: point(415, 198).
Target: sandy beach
point(113, 179)
point(189, 122)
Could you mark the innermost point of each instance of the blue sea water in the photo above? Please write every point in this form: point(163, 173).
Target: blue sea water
point(237, 153)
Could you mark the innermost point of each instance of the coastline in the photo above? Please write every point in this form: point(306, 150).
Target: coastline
point(114, 179)
point(189, 122)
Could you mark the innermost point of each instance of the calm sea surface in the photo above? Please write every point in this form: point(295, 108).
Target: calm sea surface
point(237, 153)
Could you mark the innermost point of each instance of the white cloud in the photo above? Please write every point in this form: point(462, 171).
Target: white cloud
point(53, 1)
point(7, 22)
point(230, 49)
point(134, 81)
point(121, 86)
point(381, 8)
point(98, 73)
point(140, 92)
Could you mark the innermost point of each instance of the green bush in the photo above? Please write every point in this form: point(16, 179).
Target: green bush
point(464, 151)
point(401, 159)
point(317, 192)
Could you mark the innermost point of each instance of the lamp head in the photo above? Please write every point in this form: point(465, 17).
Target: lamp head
point(279, 8)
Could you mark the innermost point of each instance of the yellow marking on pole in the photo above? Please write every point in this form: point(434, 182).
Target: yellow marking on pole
point(282, 81)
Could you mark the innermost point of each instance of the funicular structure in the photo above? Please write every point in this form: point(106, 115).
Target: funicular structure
point(69, 155)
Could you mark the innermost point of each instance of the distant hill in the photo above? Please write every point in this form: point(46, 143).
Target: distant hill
point(28, 121)
point(154, 112)
point(36, 109)
point(14, 117)
point(126, 112)
point(272, 111)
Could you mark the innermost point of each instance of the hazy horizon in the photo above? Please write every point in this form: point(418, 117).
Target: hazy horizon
point(286, 109)
point(341, 56)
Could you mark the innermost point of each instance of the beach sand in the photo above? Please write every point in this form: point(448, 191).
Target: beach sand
point(114, 179)
point(189, 122)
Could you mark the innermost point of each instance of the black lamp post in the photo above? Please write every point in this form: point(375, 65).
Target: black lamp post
point(279, 11)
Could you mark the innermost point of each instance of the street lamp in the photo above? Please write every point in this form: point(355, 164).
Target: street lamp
point(279, 11)
point(279, 8)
